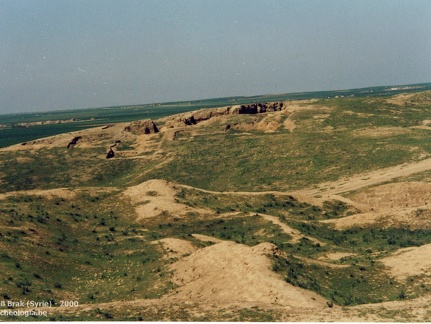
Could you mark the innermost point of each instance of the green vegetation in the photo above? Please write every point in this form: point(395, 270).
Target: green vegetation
point(88, 242)
point(102, 254)
point(366, 239)
point(249, 230)
point(343, 286)
point(59, 167)
point(319, 150)
point(85, 118)
point(274, 204)
point(89, 245)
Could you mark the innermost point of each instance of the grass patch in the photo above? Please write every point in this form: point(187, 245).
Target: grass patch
point(344, 286)
point(249, 230)
point(90, 246)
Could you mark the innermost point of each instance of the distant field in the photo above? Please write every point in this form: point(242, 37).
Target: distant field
point(85, 118)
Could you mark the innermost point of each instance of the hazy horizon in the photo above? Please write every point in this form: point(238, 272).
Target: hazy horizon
point(203, 99)
point(61, 55)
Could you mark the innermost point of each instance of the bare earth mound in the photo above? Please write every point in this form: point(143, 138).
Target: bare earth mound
point(413, 261)
point(396, 195)
point(412, 218)
point(229, 272)
point(404, 205)
point(88, 138)
point(154, 197)
point(200, 277)
point(174, 247)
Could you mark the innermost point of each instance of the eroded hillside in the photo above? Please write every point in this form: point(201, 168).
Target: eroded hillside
point(285, 211)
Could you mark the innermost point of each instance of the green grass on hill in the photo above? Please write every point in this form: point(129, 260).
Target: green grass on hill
point(93, 249)
point(91, 117)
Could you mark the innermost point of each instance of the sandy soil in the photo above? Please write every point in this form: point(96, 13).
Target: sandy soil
point(404, 204)
point(416, 310)
point(229, 272)
point(367, 179)
point(90, 138)
point(299, 105)
point(354, 113)
point(322, 263)
point(155, 197)
point(289, 124)
point(269, 124)
point(412, 218)
point(206, 238)
point(401, 99)
point(227, 277)
point(93, 137)
point(381, 131)
point(174, 248)
point(49, 193)
point(332, 190)
point(335, 256)
point(395, 195)
point(412, 261)
point(294, 233)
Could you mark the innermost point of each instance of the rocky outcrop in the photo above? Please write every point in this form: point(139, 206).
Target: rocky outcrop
point(258, 108)
point(190, 120)
point(111, 152)
point(74, 141)
point(194, 117)
point(140, 127)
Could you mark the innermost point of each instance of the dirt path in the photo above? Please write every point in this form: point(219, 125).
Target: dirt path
point(249, 193)
point(339, 186)
point(154, 197)
point(322, 263)
point(366, 179)
point(49, 193)
point(296, 235)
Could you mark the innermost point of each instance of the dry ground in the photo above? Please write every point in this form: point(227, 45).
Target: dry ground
point(227, 277)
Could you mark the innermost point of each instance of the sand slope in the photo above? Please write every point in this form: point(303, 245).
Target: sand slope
point(153, 197)
point(367, 179)
point(229, 272)
point(404, 204)
point(412, 261)
point(173, 247)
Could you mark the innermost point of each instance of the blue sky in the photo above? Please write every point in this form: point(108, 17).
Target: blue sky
point(65, 54)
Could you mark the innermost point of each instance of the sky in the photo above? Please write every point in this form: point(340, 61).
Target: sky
point(67, 54)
